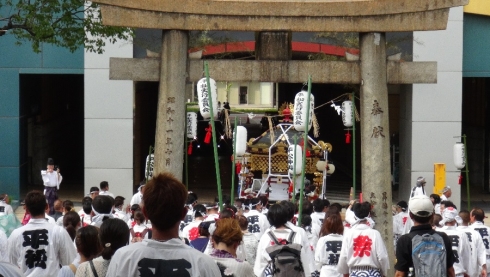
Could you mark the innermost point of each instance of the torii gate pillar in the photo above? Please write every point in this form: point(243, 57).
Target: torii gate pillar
point(171, 103)
point(375, 139)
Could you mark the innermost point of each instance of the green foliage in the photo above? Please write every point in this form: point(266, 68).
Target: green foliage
point(65, 23)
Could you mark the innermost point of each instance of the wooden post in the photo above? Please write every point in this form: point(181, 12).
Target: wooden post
point(169, 148)
point(375, 136)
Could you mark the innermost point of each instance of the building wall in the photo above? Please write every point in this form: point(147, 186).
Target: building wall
point(259, 93)
point(108, 123)
point(431, 115)
point(16, 60)
point(476, 60)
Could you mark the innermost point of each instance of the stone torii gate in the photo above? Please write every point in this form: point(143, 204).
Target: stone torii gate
point(274, 21)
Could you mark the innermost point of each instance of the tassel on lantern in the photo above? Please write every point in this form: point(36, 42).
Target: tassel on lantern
point(189, 149)
point(207, 138)
point(460, 179)
point(347, 137)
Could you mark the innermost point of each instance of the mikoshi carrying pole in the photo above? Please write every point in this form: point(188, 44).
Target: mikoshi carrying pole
point(233, 164)
point(215, 150)
point(305, 144)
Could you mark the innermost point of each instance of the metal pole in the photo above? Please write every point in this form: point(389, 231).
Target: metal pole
point(467, 172)
point(186, 155)
point(354, 143)
point(294, 170)
point(301, 193)
point(233, 164)
point(215, 150)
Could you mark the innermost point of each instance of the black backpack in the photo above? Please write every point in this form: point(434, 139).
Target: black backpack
point(285, 258)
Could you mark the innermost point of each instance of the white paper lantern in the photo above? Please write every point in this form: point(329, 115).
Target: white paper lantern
point(331, 169)
point(203, 96)
point(299, 116)
point(459, 155)
point(295, 153)
point(191, 125)
point(241, 141)
point(150, 161)
point(347, 116)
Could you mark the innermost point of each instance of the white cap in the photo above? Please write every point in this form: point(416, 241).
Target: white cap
point(420, 205)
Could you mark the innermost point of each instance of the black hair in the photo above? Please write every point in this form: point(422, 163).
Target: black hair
point(290, 209)
point(436, 197)
point(87, 205)
point(119, 201)
point(226, 199)
point(114, 234)
point(421, 219)
point(305, 220)
point(278, 215)
point(339, 207)
point(104, 185)
point(361, 210)
point(307, 208)
point(103, 204)
point(35, 203)
point(190, 199)
point(200, 210)
point(70, 221)
point(448, 204)
point(254, 202)
point(264, 200)
point(326, 203)
point(318, 205)
point(228, 212)
point(92, 189)
point(87, 241)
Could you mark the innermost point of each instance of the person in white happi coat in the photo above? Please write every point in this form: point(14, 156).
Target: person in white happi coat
point(459, 242)
point(51, 180)
point(165, 254)
point(419, 188)
point(101, 209)
point(104, 189)
point(3, 247)
point(86, 212)
point(363, 251)
point(477, 216)
point(278, 216)
point(119, 210)
point(446, 193)
point(5, 209)
point(399, 220)
point(137, 197)
point(39, 248)
point(478, 256)
point(329, 245)
point(318, 214)
point(191, 231)
point(257, 221)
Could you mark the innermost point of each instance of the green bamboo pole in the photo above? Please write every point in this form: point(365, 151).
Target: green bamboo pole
point(354, 143)
point(467, 170)
point(233, 165)
point(301, 193)
point(294, 170)
point(215, 150)
point(186, 154)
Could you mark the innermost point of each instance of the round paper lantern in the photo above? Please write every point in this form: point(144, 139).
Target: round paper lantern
point(241, 141)
point(299, 116)
point(331, 169)
point(191, 125)
point(203, 96)
point(347, 116)
point(459, 155)
point(295, 152)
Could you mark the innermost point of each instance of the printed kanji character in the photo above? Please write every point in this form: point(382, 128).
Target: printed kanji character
point(156, 267)
point(362, 246)
point(36, 258)
point(34, 238)
point(333, 259)
point(333, 246)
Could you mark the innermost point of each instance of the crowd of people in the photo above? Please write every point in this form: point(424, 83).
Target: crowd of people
point(166, 231)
